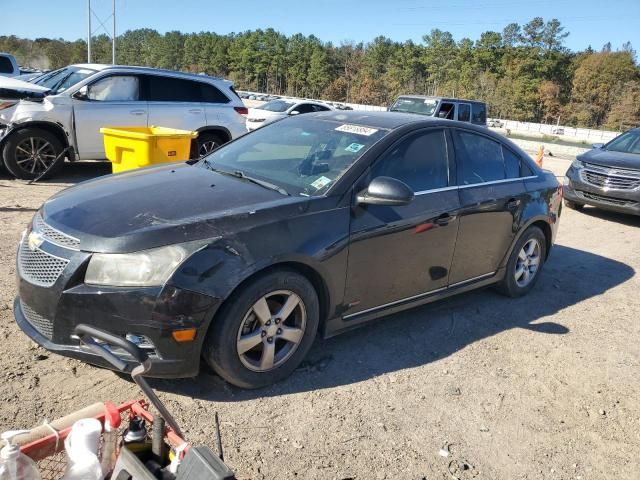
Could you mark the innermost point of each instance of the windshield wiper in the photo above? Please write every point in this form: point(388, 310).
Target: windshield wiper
point(244, 176)
point(262, 183)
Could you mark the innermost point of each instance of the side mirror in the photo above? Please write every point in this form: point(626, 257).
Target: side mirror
point(82, 94)
point(386, 191)
point(597, 145)
point(295, 112)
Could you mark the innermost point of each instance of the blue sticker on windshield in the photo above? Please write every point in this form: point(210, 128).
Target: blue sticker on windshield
point(354, 147)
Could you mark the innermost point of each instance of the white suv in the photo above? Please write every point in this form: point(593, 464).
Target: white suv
point(59, 114)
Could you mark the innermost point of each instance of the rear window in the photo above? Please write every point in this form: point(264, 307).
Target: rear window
point(6, 66)
point(421, 106)
point(170, 89)
point(479, 113)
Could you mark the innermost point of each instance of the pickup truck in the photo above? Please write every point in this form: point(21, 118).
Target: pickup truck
point(8, 66)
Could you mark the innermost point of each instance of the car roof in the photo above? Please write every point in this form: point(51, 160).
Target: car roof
point(435, 97)
point(132, 68)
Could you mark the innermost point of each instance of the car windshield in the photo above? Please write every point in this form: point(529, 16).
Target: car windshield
point(302, 156)
point(422, 106)
point(59, 80)
point(276, 106)
point(628, 142)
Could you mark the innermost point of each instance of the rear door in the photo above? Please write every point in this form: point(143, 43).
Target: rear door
point(397, 253)
point(491, 198)
point(111, 101)
point(175, 102)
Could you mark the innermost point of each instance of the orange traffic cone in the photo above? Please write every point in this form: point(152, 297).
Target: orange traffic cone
point(540, 156)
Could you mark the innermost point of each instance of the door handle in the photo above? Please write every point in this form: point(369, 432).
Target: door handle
point(512, 204)
point(195, 110)
point(444, 219)
point(138, 112)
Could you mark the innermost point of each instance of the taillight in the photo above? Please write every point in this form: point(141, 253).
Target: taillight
point(242, 110)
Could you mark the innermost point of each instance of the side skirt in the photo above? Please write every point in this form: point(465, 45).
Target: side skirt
point(342, 324)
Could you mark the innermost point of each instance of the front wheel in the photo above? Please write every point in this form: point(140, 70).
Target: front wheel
point(263, 331)
point(28, 153)
point(525, 263)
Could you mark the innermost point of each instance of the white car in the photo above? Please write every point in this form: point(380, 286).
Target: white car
point(60, 114)
point(281, 108)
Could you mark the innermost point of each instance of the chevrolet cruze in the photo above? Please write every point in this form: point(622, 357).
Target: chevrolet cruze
point(314, 224)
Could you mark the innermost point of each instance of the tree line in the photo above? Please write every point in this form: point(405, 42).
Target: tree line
point(524, 72)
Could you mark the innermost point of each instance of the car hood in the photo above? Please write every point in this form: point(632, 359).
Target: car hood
point(14, 89)
point(608, 158)
point(159, 206)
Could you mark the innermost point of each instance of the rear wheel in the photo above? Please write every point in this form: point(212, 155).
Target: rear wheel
point(573, 205)
point(264, 331)
point(525, 263)
point(207, 143)
point(28, 153)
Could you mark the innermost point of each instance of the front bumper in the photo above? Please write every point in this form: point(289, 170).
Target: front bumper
point(48, 314)
point(578, 191)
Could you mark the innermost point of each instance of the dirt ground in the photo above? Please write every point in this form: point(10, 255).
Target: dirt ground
point(478, 386)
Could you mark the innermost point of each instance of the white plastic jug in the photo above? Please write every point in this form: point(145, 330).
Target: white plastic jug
point(82, 451)
point(15, 465)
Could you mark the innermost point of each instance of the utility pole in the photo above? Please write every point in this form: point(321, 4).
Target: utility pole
point(90, 31)
point(113, 36)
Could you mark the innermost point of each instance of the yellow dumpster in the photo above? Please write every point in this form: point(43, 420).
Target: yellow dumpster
point(134, 147)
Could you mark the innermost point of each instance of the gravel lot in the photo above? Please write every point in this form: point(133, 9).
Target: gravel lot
point(542, 387)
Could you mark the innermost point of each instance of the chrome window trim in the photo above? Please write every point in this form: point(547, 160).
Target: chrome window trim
point(458, 187)
point(418, 296)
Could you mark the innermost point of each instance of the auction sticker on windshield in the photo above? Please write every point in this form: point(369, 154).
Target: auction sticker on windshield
point(321, 182)
point(357, 129)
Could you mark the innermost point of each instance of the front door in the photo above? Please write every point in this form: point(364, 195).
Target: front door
point(112, 101)
point(491, 199)
point(397, 253)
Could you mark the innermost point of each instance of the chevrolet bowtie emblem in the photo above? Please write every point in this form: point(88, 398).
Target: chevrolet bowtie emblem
point(35, 240)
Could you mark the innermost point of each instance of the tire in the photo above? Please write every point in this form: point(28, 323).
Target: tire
point(28, 141)
point(243, 322)
point(207, 143)
point(517, 282)
point(573, 205)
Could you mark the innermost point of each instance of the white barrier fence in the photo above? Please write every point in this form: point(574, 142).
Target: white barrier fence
point(570, 133)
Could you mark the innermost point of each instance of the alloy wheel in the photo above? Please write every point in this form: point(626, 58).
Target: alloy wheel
point(35, 155)
point(527, 263)
point(207, 147)
point(271, 331)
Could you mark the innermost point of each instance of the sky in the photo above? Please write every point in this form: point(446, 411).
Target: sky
point(590, 22)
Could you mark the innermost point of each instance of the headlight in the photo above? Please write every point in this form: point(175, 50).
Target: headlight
point(148, 268)
point(577, 164)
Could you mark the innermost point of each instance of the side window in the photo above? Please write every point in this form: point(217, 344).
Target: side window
point(479, 113)
point(319, 108)
point(464, 112)
point(117, 88)
point(211, 94)
point(5, 65)
point(304, 108)
point(420, 161)
point(170, 89)
point(511, 163)
point(479, 158)
point(447, 110)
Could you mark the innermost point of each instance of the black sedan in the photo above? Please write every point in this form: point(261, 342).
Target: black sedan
point(317, 223)
point(608, 176)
